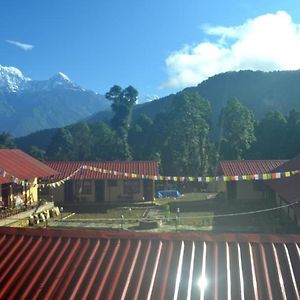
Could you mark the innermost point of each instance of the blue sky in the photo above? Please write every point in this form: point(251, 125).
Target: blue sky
point(157, 46)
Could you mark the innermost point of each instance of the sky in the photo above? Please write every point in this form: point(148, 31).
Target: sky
point(159, 47)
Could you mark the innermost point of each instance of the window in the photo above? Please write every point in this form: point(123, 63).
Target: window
point(132, 187)
point(83, 187)
point(112, 183)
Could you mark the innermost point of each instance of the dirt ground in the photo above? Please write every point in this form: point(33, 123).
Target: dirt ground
point(185, 214)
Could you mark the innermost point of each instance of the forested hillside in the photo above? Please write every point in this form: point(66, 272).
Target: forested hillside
point(261, 92)
point(176, 130)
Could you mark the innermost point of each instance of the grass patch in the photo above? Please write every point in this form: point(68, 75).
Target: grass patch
point(116, 213)
point(197, 219)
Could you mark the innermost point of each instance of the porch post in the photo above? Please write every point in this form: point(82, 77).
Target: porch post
point(10, 195)
point(26, 182)
point(153, 190)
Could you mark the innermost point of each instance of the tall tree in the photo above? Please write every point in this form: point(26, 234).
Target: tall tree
point(292, 134)
point(139, 138)
point(237, 130)
point(82, 141)
point(105, 143)
point(270, 137)
point(123, 101)
point(183, 135)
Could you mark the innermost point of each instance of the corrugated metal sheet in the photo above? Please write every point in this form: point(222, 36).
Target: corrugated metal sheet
point(290, 165)
point(138, 167)
point(21, 165)
point(247, 167)
point(288, 188)
point(82, 264)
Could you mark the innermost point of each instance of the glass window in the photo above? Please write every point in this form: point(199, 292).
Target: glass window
point(83, 187)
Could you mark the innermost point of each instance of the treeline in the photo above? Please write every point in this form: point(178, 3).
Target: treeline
point(178, 138)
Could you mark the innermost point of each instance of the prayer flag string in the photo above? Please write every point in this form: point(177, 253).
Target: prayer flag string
point(127, 175)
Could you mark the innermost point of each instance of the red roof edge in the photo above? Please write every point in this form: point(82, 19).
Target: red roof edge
point(204, 236)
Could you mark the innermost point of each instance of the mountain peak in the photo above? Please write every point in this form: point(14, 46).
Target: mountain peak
point(61, 77)
point(12, 79)
point(61, 80)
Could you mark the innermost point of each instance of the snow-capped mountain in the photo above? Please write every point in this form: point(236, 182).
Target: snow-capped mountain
point(28, 105)
point(58, 81)
point(12, 80)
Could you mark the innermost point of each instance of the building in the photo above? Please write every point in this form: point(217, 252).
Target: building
point(19, 174)
point(92, 264)
point(245, 190)
point(116, 181)
point(288, 189)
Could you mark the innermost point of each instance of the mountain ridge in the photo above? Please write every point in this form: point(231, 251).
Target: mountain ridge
point(260, 91)
point(28, 105)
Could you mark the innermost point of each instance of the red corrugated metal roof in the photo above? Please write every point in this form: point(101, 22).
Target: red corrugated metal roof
point(289, 165)
point(288, 188)
point(65, 169)
point(91, 264)
point(247, 167)
point(21, 165)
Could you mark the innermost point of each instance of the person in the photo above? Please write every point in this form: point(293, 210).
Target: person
point(19, 201)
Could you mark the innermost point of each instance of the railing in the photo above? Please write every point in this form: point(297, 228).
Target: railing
point(8, 212)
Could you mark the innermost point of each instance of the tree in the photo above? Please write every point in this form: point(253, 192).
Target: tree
point(270, 137)
point(139, 138)
point(82, 141)
point(123, 101)
point(237, 130)
point(6, 141)
point(105, 143)
point(292, 135)
point(37, 153)
point(183, 135)
point(61, 147)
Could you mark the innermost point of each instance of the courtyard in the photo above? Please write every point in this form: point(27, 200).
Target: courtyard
point(192, 212)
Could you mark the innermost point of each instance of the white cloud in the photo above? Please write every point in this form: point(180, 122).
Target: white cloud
point(268, 42)
point(20, 45)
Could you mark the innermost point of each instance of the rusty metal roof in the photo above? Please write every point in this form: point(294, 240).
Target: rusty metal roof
point(247, 167)
point(93, 264)
point(21, 165)
point(65, 169)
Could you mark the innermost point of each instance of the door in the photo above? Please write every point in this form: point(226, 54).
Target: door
point(99, 191)
point(231, 191)
point(68, 191)
point(5, 189)
point(148, 187)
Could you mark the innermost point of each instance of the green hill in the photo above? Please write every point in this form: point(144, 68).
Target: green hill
point(260, 91)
